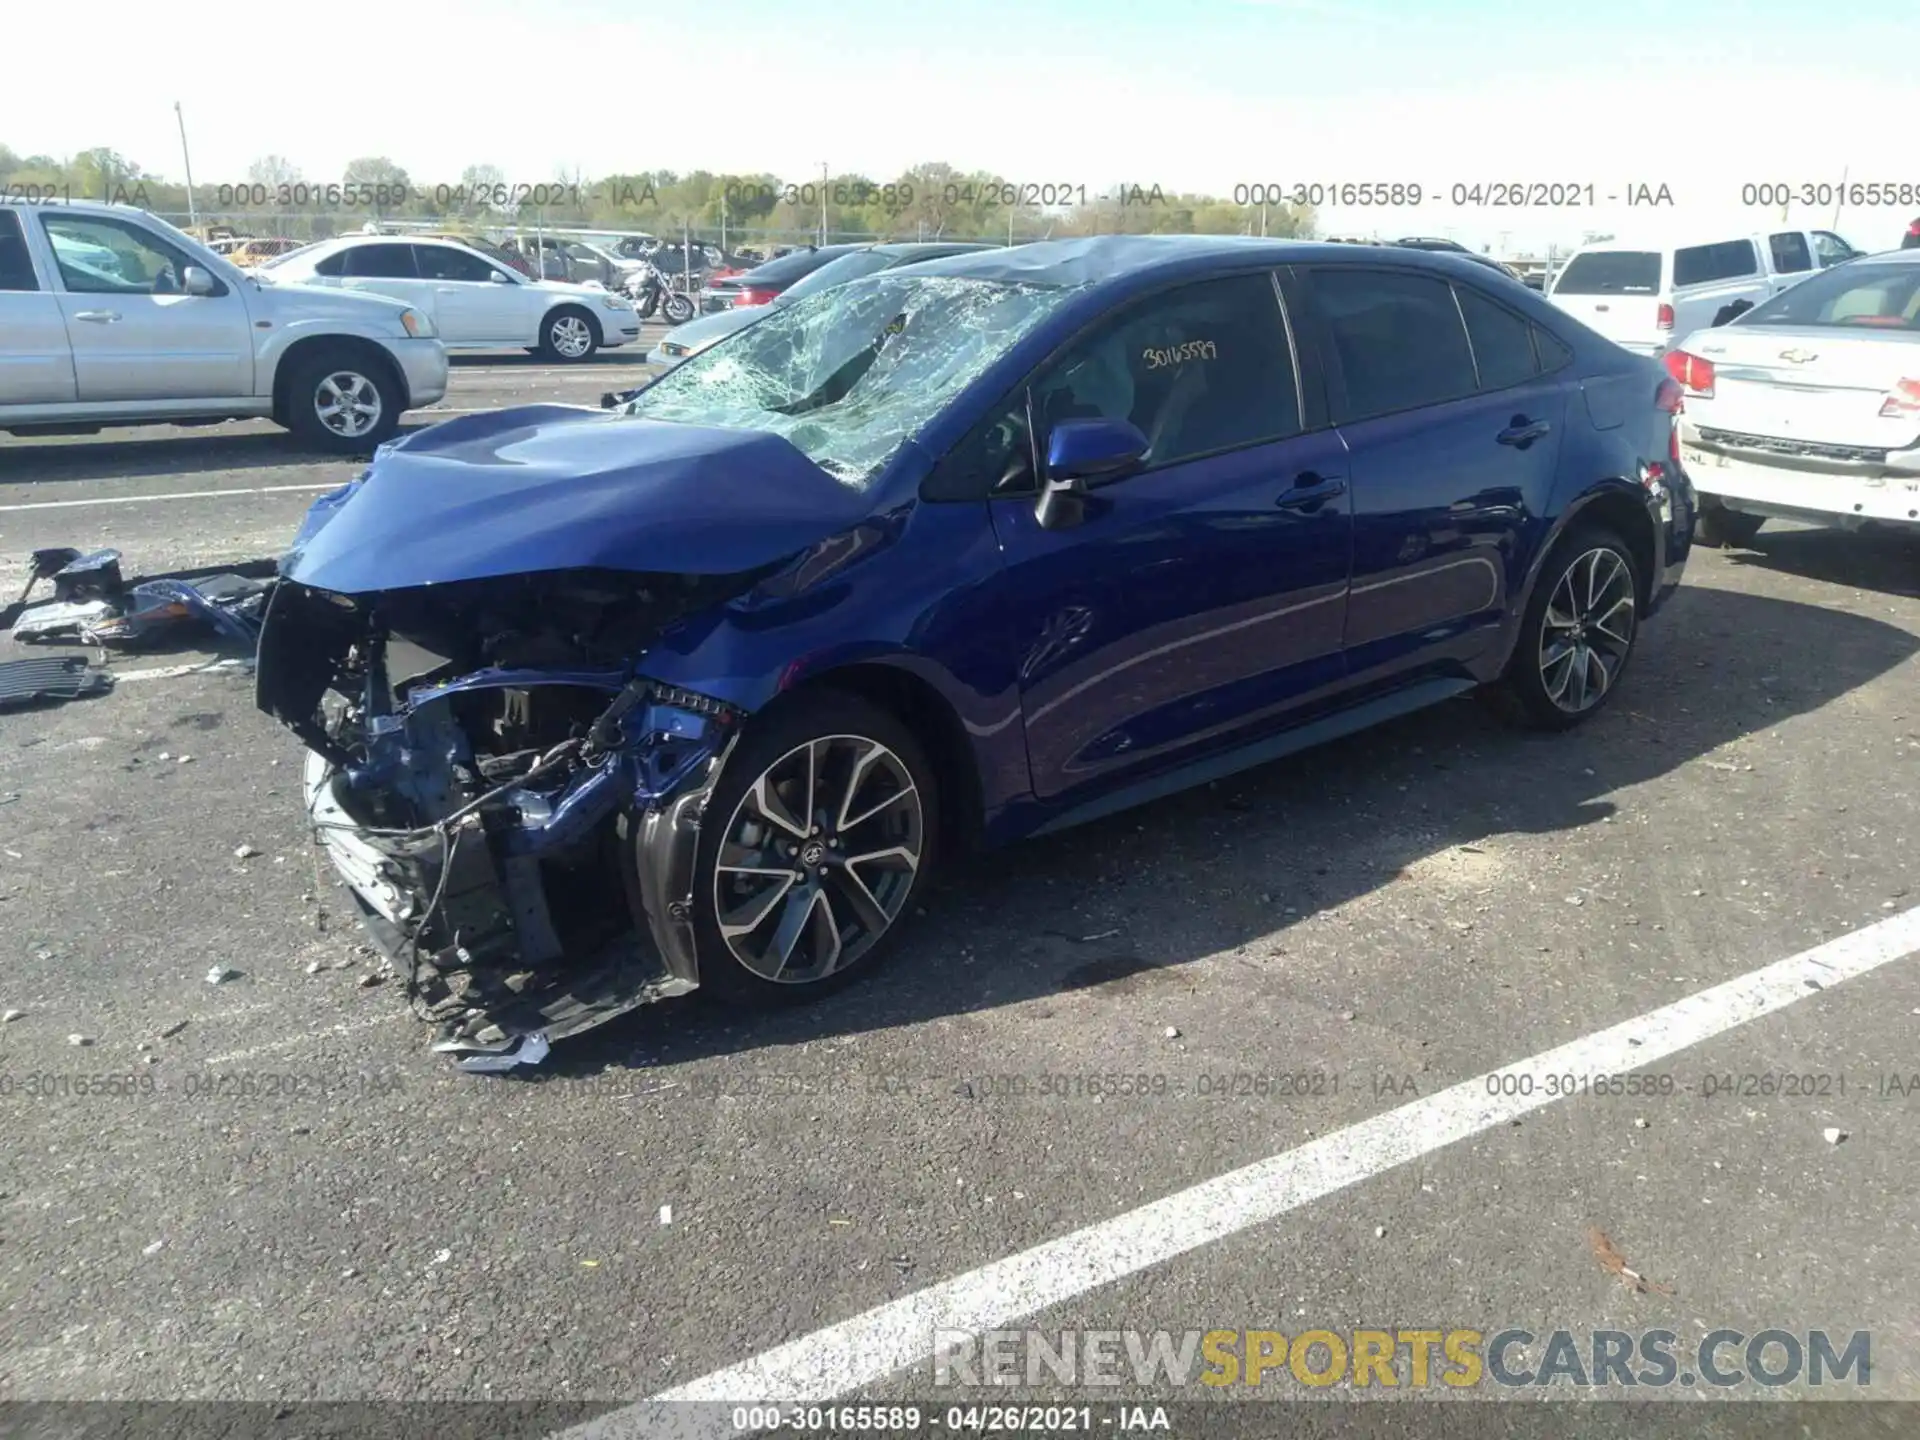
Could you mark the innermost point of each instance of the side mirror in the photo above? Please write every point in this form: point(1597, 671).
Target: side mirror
point(1080, 455)
point(195, 281)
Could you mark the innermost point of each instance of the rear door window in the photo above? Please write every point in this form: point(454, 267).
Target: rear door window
point(1704, 264)
point(1790, 252)
point(1398, 341)
point(1610, 272)
point(382, 262)
point(443, 262)
point(16, 264)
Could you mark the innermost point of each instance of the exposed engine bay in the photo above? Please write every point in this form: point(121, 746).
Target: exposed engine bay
point(514, 810)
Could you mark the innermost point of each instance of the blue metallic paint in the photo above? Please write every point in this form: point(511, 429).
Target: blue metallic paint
point(1077, 662)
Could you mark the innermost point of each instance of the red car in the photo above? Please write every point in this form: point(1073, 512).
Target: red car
point(1911, 240)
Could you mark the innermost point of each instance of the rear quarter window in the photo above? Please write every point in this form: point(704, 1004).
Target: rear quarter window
point(1610, 272)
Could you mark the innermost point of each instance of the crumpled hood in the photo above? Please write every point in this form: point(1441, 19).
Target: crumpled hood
point(554, 487)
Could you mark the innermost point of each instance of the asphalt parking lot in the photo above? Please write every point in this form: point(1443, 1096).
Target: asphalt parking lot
point(293, 1200)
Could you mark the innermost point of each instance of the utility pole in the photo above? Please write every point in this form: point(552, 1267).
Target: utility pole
point(1835, 222)
point(823, 204)
point(193, 218)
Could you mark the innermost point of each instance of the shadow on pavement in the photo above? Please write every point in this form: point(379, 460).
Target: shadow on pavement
point(1883, 560)
point(180, 454)
point(1299, 836)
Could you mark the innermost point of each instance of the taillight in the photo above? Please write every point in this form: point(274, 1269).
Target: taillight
point(1902, 402)
point(1914, 228)
point(1664, 320)
point(747, 295)
point(1691, 371)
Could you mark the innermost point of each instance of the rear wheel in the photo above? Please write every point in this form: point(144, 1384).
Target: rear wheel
point(1720, 528)
point(814, 844)
point(1578, 632)
point(340, 401)
point(569, 334)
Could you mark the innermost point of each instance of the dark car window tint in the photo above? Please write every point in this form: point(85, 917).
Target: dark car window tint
point(443, 262)
point(1553, 353)
point(1610, 272)
point(1790, 252)
point(1502, 348)
point(1202, 368)
point(1727, 260)
point(1397, 338)
point(16, 265)
point(334, 264)
point(382, 262)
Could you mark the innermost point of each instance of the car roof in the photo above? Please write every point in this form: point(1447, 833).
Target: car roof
point(1100, 259)
point(933, 247)
point(1666, 241)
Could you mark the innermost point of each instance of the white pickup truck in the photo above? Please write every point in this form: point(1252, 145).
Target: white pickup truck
point(110, 316)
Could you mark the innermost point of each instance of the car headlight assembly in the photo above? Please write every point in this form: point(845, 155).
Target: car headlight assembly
point(416, 324)
point(616, 302)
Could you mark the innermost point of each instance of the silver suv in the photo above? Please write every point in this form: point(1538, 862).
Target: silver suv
point(109, 316)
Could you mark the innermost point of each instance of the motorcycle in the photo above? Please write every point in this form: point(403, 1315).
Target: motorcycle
point(651, 291)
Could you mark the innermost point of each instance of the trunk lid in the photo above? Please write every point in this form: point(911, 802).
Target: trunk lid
point(1819, 385)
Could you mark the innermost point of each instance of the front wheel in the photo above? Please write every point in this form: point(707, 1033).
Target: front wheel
point(813, 845)
point(1578, 632)
point(569, 334)
point(339, 401)
point(679, 308)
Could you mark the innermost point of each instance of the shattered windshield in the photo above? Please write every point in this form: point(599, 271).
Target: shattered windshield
point(850, 374)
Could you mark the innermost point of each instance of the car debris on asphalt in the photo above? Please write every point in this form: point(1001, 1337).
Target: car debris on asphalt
point(50, 677)
point(94, 604)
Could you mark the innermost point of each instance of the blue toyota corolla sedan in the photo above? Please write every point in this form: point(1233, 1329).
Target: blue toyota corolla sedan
point(696, 689)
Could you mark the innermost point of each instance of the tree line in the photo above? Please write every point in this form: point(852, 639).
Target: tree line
point(275, 197)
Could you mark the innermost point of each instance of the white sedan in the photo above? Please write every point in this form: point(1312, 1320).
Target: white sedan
point(1808, 405)
point(475, 303)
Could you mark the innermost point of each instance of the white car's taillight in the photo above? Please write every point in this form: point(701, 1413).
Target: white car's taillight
point(1902, 402)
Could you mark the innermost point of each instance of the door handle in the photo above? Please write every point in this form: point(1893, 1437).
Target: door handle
point(1523, 432)
point(1310, 489)
point(97, 317)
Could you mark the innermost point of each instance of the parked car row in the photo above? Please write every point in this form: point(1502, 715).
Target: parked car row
point(473, 301)
point(109, 316)
point(1646, 293)
point(759, 290)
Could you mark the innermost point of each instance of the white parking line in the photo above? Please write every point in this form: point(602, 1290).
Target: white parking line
point(840, 1359)
point(170, 672)
point(171, 495)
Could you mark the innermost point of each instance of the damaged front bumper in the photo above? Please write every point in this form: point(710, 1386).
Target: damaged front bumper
point(520, 843)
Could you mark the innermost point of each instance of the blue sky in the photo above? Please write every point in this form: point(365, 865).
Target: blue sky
point(1702, 95)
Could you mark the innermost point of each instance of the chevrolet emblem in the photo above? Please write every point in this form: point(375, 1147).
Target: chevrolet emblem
point(1798, 357)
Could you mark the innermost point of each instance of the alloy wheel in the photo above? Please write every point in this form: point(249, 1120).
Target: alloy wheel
point(571, 336)
point(1587, 630)
point(347, 403)
point(818, 858)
